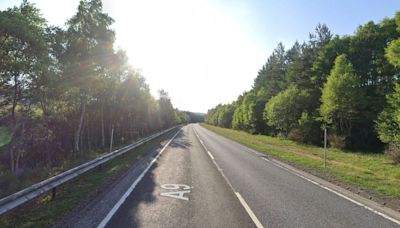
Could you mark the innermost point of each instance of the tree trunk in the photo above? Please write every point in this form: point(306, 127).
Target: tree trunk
point(88, 135)
point(12, 159)
point(15, 98)
point(80, 124)
point(82, 145)
point(103, 137)
point(15, 153)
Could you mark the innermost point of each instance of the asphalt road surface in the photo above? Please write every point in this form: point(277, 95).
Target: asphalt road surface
point(205, 180)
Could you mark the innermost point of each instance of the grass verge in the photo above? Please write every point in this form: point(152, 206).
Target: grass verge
point(44, 212)
point(364, 170)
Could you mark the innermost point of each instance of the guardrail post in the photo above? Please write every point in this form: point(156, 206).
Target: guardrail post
point(112, 138)
point(53, 193)
point(44, 187)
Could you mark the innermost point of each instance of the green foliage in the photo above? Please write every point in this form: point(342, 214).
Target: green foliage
point(5, 136)
point(341, 98)
point(284, 110)
point(388, 124)
point(393, 50)
point(339, 95)
point(272, 75)
point(248, 115)
point(66, 90)
point(347, 96)
point(393, 53)
point(221, 115)
point(168, 116)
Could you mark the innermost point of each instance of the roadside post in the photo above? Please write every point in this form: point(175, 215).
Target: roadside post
point(325, 147)
point(112, 137)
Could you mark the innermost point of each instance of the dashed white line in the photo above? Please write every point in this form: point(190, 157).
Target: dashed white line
point(110, 214)
point(241, 199)
point(248, 210)
point(209, 154)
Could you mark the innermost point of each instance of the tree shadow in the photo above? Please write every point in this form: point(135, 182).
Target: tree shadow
point(126, 216)
point(181, 141)
point(144, 192)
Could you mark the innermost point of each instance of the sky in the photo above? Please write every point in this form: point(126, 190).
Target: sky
point(206, 52)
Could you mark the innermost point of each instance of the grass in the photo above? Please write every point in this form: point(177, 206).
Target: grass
point(365, 170)
point(44, 212)
point(5, 136)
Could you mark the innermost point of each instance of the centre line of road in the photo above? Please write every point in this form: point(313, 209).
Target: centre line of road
point(333, 191)
point(240, 198)
point(248, 210)
point(129, 191)
point(209, 154)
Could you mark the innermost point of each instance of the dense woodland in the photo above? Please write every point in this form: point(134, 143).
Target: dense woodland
point(63, 90)
point(348, 84)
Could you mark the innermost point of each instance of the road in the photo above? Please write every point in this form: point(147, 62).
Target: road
point(205, 180)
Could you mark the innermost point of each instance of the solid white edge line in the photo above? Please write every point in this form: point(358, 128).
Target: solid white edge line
point(241, 199)
point(110, 214)
point(249, 211)
point(337, 193)
point(209, 154)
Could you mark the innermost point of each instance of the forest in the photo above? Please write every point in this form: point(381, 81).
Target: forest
point(64, 90)
point(346, 84)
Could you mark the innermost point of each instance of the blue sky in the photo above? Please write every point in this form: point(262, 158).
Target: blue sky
point(209, 52)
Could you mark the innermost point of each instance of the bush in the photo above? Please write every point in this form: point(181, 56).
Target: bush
point(393, 152)
point(337, 141)
point(297, 135)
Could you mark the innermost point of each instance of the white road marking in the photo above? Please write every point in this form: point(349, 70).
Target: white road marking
point(176, 195)
point(241, 200)
point(175, 186)
point(209, 154)
point(249, 211)
point(110, 214)
point(335, 192)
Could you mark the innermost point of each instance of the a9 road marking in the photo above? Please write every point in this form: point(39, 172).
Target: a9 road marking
point(176, 194)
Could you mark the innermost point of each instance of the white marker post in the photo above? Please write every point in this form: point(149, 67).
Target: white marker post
point(325, 147)
point(112, 137)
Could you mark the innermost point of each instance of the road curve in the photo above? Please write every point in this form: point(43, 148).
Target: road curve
point(205, 180)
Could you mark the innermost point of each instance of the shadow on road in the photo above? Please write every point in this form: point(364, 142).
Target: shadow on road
point(180, 141)
point(128, 213)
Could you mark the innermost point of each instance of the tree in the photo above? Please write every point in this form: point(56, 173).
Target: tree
point(284, 110)
point(89, 44)
point(225, 116)
point(272, 75)
point(388, 124)
point(23, 67)
point(341, 97)
point(167, 114)
point(393, 50)
point(393, 53)
point(64, 90)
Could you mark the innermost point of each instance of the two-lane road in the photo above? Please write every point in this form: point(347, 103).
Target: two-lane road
point(209, 202)
point(205, 180)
